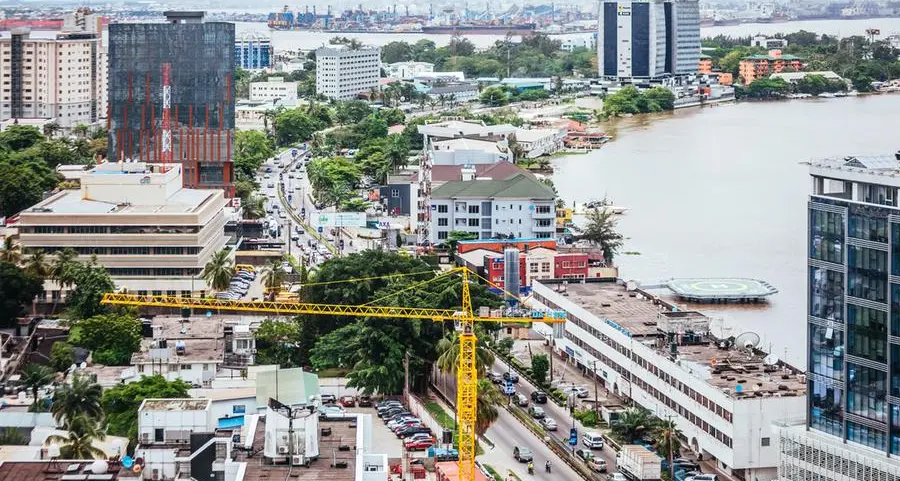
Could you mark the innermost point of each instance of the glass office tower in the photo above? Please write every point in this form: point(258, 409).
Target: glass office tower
point(190, 64)
point(854, 301)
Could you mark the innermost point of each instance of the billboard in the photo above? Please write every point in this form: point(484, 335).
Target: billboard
point(340, 219)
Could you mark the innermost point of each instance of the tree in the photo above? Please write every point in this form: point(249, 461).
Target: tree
point(10, 252)
point(352, 112)
point(17, 289)
point(333, 179)
point(251, 149)
point(293, 126)
point(219, 271)
point(494, 96)
point(81, 130)
point(113, 338)
point(396, 151)
point(666, 439)
point(19, 188)
point(91, 282)
point(34, 377)
point(448, 354)
point(454, 237)
point(273, 276)
point(394, 52)
point(370, 127)
point(36, 265)
point(601, 231)
point(276, 343)
point(62, 269)
point(540, 366)
point(20, 137)
point(121, 402)
point(78, 442)
point(62, 355)
point(392, 116)
point(633, 424)
point(662, 96)
point(488, 400)
point(79, 398)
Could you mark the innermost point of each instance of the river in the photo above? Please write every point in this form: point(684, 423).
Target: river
point(720, 192)
point(293, 40)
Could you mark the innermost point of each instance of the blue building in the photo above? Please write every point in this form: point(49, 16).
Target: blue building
point(253, 51)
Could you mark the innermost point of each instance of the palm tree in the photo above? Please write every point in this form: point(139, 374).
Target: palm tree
point(255, 208)
point(448, 354)
point(10, 252)
point(272, 276)
point(442, 99)
point(81, 130)
point(51, 129)
point(666, 439)
point(423, 100)
point(601, 230)
point(79, 442)
point(633, 423)
point(36, 265)
point(34, 377)
point(80, 398)
point(432, 102)
point(488, 400)
point(373, 94)
point(61, 269)
point(219, 270)
point(451, 99)
point(396, 150)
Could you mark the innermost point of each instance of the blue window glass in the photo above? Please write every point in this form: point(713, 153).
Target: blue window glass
point(826, 294)
point(826, 240)
point(867, 335)
point(867, 273)
point(867, 392)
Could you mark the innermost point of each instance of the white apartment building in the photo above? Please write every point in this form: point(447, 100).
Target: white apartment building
point(408, 70)
point(723, 394)
point(538, 142)
point(274, 88)
point(807, 454)
point(153, 235)
point(342, 73)
point(57, 76)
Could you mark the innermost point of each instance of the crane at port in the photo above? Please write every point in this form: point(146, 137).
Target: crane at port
point(464, 320)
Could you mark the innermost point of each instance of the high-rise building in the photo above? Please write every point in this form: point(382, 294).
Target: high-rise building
point(853, 416)
point(648, 40)
point(253, 51)
point(55, 76)
point(171, 96)
point(342, 73)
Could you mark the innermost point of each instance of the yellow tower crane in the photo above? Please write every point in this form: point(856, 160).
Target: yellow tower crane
point(466, 373)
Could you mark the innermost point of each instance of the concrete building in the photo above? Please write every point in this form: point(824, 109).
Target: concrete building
point(150, 233)
point(343, 73)
point(55, 76)
point(253, 51)
point(723, 393)
point(537, 142)
point(648, 40)
point(408, 70)
point(705, 66)
point(469, 152)
point(853, 414)
point(768, 43)
point(761, 66)
point(274, 89)
point(192, 354)
point(457, 93)
point(196, 60)
point(518, 207)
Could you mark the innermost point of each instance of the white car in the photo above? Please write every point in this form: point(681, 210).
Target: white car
point(332, 412)
point(617, 477)
point(549, 424)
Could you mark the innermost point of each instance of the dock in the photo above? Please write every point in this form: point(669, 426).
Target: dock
point(721, 290)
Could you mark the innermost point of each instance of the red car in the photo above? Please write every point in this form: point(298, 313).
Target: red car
point(348, 401)
point(419, 444)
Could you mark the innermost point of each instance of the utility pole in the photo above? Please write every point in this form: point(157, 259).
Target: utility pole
point(406, 377)
point(596, 395)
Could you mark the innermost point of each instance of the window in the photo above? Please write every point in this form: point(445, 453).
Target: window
point(764, 442)
point(395, 193)
point(159, 435)
point(442, 209)
point(474, 222)
point(827, 298)
point(826, 236)
point(474, 209)
point(542, 209)
point(442, 221)
point(442, 235)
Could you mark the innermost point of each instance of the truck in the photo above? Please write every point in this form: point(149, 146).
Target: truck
point(639, 463)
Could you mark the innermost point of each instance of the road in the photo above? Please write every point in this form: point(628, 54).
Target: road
point(560, 415)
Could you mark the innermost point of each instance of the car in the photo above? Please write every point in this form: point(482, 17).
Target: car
point(295, 238)
point(405, 429)
point(686, 464)
point(328, 398)
point(290, 176)
point(510, 376)
point(267, 176)
point(536, 412)
point(419, 444)
point(521, 400)
point(495, 378)
point(270, 185)
point(539, 397)
point(617, 477)
point(418, 436)
point(581, 392)
point(411, 430)
point(597, 465)
point(365, 401)
point(703, 477)
point(403, 421)
point(332, 412)
point(548, 423)
point(522, 454)
point(395, 414)
point(348, 401)
point(584, 454)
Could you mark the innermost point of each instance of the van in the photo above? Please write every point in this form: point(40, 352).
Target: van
point(592, 440)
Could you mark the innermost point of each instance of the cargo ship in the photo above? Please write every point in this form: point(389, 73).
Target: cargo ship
point(283, 20)
point(522, 28)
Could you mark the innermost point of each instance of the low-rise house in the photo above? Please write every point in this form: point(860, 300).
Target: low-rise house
point(537, 142)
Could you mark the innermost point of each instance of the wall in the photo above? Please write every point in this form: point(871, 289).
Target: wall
point(188, 421)
point(464, 157)
point(225, 407)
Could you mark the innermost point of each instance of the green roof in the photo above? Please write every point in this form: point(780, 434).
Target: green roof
point(770, 58)
point(519, 186)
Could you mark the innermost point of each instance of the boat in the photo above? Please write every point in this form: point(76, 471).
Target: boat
point(479, 29)
point(601, 205)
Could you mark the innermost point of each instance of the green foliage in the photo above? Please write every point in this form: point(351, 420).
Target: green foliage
point(20, 137)
point(121, 403)
point(662, 97)
point(296, 125)
point(24, 177)
point(91, 282)
point(494, 96)
point(219, 270)
point(62, 355)
point(113, 338)
point(540, 366)
point(817, 84)
point(380, 156)
point(251, 149)
point(455, 236)
point(392, 116)
point(634, 424)
point(763, 88)
point(488, 400)
point(629, 100)
point(77, 443)
point(533, 95)
point(601, 230)
point(352, 112)
point(333, 179)
point(34, 377)
point(588, 417)
point(276, 343)
point(11, 436)
point(17, 289)
point(79, 398)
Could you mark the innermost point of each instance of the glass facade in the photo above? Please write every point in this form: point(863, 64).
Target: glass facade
point(853, 365)
point(199, 60)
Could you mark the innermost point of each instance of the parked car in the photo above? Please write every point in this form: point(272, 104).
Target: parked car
point(495, 378)
point(510, 376)
point(419, 445)
point(332, 412)
point(581, 392)
point(365, 401)
point(549, 424)
point(686, 464)
point(536, 412)
point(539, 397)
point(417, 437)
point(703, 477)
point(411, 430)
point(522, 454)
point(521, 400)
point(328, 398)
point(617, 477)
point(348, 401)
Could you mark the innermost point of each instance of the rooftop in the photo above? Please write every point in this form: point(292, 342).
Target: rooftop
point(882, 164)
point(464, 128)
point(175, 405)
point(196, 350)
point(47, 470)
point(794, 76)
point(533, 135)
point(467, 144)
point(720, 289)
point(498, 171)
point(519, 186)
point(175, 327)
point(722, 363)
point(772, 58)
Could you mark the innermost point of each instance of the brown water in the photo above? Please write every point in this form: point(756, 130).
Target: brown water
point(720, 192)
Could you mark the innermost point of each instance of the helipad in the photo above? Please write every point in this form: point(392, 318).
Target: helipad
point(726, 289)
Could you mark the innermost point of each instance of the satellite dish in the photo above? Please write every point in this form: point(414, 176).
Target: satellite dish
point(127, 462)
point(747, 340)
point(771, 360)
point(98, 467)
point(53, 450)
point(83, 365)
point(738, 388)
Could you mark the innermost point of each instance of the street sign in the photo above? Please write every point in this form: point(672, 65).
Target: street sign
point(509, 389)
point(340, 219)
point(293, 152)
point(320, 229)
point(573, 437)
